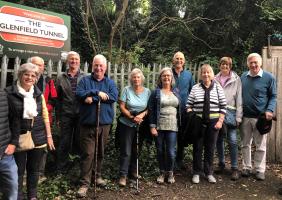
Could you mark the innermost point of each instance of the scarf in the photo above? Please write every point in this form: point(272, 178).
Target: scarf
point(206, 108)
point(29, 103)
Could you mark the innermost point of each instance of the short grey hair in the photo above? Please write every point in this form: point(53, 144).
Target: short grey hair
point(255, 55)
point(100, 56)
point(72, 53)
point(28, 67)
point(207, 67)
point(159, 82)
point(134, 72)
point(32, 59)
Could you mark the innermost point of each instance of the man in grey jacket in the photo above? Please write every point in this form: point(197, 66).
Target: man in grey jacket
point(67, 109)
point(8, 167)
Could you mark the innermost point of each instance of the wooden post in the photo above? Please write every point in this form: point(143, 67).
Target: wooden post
point(49, 68)
point(4, 68)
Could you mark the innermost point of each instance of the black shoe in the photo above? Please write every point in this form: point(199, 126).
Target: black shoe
point(280, 191)
point(246, 173)
point(220, 169)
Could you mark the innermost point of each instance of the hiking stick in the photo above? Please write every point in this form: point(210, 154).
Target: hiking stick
point(96, 144)
point(137, 159)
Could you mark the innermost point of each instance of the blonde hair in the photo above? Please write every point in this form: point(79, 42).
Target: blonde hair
point(209, 68)
point(134, 72)
point(159, 82)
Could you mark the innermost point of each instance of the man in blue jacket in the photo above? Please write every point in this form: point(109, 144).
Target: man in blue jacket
point(92, 89)
point(183, 82)
point(259, 96)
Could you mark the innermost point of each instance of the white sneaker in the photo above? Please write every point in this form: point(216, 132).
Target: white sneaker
point(211, 179)
point(196, 179)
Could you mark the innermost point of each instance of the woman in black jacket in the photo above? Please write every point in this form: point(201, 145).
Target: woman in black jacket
point(30, 115)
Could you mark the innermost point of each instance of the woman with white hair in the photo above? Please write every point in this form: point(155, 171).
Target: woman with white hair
point(27, 101)
point(133, 107)
point(164, 118)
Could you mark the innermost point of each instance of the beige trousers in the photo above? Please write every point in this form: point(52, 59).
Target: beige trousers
point(249, 133)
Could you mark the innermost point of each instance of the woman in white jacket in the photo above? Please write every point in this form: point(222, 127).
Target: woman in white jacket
point(231, 84)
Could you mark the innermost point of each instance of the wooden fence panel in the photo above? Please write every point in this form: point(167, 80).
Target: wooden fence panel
point(273, 64)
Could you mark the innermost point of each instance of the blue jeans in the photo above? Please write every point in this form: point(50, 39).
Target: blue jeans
point(128, 150)
point(9, 177)
point(233, 147)
point(166, 150)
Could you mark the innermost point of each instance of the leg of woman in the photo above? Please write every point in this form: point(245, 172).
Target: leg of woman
point(197, 156)
point(160, 150)
point(233, 147)
point(20, 158)
point(220, 150)
point(209, 146)
point(32, 171)
point(126, 138)
point(133, 165)
point(170, 141)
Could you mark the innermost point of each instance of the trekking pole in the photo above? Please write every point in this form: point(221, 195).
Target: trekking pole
point(137, 159)
point(96, 144)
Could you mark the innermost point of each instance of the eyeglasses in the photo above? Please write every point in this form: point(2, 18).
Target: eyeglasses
point(166, 75)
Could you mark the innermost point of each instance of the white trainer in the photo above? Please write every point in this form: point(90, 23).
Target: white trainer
point(196, 179)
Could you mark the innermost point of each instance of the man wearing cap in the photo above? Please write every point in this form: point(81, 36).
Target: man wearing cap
point(259, 96)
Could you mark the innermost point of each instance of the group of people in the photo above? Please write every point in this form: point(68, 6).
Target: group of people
point(85, 113)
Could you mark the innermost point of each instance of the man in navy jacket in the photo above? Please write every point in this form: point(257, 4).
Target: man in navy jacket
point(92, 89)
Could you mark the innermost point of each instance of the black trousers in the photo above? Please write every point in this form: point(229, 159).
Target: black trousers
point(29, 161)
point(206, 144)
point(69, 140)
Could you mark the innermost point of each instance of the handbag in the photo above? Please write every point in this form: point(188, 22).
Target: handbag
point(230, 118)
point(25, 141)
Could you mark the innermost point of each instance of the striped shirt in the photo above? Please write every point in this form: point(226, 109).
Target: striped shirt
point(73, 81)
point(217, 100)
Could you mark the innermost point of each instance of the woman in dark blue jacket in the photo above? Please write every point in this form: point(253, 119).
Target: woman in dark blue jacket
point(164, 117)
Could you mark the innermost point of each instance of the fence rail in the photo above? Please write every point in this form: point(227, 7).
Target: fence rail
point(119, 73)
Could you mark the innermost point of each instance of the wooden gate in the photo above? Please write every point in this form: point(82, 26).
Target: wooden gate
point(272, 62)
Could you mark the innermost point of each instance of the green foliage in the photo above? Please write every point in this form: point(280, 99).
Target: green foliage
point(56, 187)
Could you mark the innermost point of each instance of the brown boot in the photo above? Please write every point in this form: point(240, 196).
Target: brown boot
point(234, 175)
point(122, 181)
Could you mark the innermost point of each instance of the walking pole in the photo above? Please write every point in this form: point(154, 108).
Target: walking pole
point(137, 161)
point(96, 143)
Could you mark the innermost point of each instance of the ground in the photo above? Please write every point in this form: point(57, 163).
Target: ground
point(224, 189)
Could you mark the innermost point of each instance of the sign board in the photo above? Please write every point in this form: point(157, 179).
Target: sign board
point(26, 32)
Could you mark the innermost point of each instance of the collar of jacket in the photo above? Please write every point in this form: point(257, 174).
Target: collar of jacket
point(14, 90)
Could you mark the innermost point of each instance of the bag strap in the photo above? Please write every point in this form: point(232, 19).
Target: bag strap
point(32, 122)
